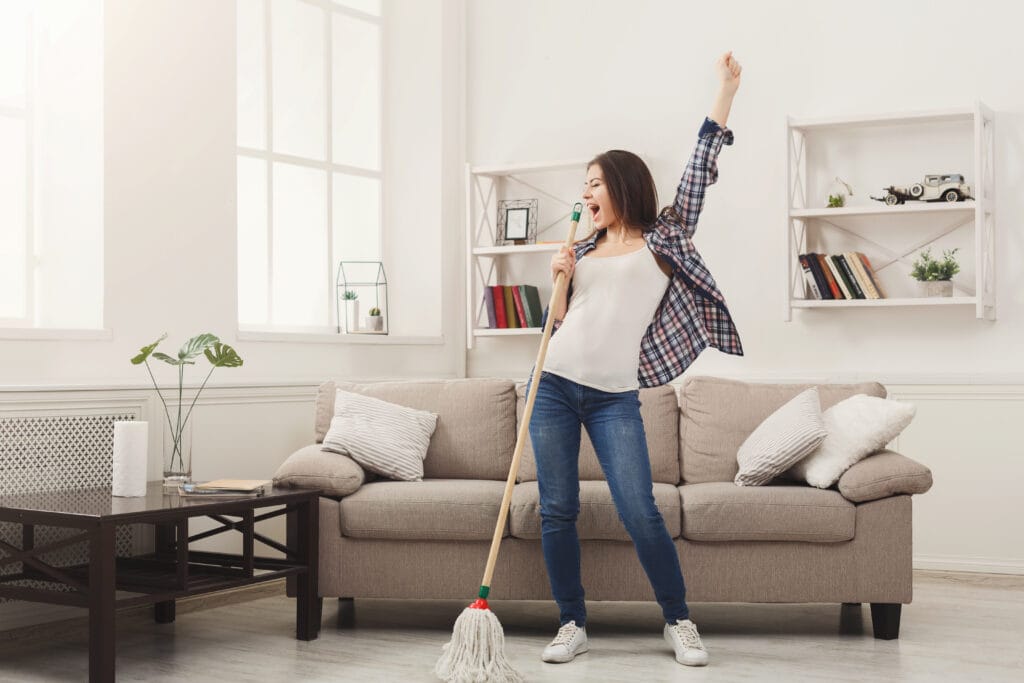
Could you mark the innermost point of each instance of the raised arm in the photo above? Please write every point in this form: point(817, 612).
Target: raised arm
point(702, 169)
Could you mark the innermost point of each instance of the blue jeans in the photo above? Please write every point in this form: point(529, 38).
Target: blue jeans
point(616, 429)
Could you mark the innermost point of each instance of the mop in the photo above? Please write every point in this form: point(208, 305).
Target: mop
point(476, 652)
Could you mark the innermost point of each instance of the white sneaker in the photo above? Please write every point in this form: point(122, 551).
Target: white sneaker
point(570, 641)
point(685, 640)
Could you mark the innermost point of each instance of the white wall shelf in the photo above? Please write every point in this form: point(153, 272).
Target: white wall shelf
point(488, 264)
point(852, 221)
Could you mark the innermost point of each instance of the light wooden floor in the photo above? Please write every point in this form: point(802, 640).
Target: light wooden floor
point(960, 627)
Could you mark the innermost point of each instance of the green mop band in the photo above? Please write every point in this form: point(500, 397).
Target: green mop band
point(577, 209)
point(484, 590)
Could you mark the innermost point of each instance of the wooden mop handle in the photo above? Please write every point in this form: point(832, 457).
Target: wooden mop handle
point(524, 425)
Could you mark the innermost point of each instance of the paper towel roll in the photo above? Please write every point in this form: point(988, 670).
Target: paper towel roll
point(131, 447)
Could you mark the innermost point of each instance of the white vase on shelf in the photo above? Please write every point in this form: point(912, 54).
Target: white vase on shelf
point(352, 308)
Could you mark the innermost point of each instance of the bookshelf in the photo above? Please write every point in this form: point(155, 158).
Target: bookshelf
point(557, 186)
point(897, 149)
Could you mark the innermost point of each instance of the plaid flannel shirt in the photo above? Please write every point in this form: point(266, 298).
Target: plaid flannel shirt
point(692, 315)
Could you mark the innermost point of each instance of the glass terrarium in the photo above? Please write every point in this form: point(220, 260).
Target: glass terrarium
point(362, 298)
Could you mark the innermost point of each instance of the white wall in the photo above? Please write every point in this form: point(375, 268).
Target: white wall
point(568, 79)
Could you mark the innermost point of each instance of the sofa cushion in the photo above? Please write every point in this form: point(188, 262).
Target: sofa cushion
point(722, 511)
point(883, 474)
point(476, 424)
point(659, 410)
point(718, 414)
point(434, 509)
point(598, 517)
point(313, 468)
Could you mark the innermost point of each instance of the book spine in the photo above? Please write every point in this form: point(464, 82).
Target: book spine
point(848, 273)
point(518, 297)
point(533, 305)
point(811, 289)
point(492, 320)
point(872, 275)
point(858, 268)
point(510, 307)
point(837, 274)
point(499, 306)
point(824, 265)
point(819, 275)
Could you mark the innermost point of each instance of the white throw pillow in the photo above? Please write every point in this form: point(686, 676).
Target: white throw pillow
point(383, 437)
point(786, 436)
point(857, 427)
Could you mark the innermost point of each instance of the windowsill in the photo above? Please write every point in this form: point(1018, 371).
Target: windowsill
point(336, 338)
point(46, 333)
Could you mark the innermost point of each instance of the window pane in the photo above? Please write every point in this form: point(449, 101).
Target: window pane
point(356, 92)
point(12, 218)
point(300, 280)
point(368, 6)
point(356, 217)
point(252, 241)
point(251, 74)
point(300, 105)
point(13, 30)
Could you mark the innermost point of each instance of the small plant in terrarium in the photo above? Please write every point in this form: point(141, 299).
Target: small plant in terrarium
point(374, 320)
point(374, 311)
point(350, 295)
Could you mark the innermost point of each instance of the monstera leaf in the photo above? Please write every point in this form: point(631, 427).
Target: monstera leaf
point(196, 345)
point(146, 350)
point(222, 356)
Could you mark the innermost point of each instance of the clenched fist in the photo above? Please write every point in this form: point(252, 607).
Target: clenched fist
point(564, 261)
point(728, 70)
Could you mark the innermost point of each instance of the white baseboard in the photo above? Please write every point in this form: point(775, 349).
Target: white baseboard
point(983, 565)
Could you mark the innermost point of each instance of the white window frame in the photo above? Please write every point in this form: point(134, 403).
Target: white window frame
point(327, 166)
point(26, 114)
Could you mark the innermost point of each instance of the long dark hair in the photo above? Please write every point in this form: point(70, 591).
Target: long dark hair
point(630, 188)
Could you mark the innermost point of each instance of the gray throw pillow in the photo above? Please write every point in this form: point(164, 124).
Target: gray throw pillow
point(381, 436)
point(785, 437)
point(311, 468)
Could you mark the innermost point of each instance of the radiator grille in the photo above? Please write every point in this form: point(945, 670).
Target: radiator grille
point(57, 453)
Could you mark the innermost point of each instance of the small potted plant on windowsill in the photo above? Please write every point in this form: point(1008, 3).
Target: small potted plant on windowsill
point(352, 310)
point(936, 277)
point(374, 320)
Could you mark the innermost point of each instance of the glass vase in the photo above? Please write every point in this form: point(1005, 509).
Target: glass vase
point(177, 455)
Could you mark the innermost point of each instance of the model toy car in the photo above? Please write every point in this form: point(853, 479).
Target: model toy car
point(949, 187)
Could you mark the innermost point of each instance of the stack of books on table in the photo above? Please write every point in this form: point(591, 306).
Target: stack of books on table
point(848, 275)
point(225, 488)
point(512, 306)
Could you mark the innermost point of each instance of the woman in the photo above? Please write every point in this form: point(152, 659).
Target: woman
point(639, 310)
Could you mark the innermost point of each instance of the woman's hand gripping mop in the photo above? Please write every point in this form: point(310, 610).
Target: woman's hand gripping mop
point(476, 652)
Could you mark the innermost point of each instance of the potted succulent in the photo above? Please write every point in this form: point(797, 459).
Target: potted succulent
point(177, 462)
point(374, 320)
point(351, 310)
point(936, 276)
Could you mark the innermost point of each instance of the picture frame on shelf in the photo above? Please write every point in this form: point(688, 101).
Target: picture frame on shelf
point(517, 222)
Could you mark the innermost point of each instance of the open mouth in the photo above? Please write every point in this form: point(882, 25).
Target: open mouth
point(594, 210)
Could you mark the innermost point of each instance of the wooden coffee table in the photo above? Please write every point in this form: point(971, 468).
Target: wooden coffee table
point(172, 571)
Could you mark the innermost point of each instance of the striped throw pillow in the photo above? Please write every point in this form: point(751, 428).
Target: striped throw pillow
point(383, 437)
point(785, 437)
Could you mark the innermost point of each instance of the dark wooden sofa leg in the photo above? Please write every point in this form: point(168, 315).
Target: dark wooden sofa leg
point(346, 612)
point(885, 619)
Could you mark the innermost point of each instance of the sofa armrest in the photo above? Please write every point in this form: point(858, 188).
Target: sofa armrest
point(883, 474)
point(310, 467)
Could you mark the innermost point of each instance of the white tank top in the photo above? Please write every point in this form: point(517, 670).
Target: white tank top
point(614, 299)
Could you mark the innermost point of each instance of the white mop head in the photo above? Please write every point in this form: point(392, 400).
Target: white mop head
point(476, 652)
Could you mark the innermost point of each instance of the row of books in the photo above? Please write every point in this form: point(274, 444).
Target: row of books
point(848, 275)
point(511, 306)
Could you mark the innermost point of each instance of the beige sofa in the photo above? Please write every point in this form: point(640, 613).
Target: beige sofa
point(782, 542)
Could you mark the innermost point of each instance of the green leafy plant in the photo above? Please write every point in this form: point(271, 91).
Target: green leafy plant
point(374, 311)
point(836, 201)
point(350, 295)
point(926, 268)
point(219, 354)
